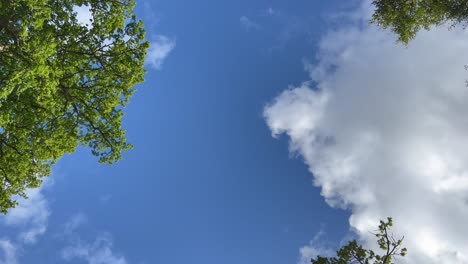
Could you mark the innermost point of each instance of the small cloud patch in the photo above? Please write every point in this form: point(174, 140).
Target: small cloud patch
point(248, 24)
point(160, 48)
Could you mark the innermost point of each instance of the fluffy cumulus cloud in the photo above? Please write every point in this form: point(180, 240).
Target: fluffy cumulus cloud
point(30, 216)
point(384, 131)
point(28, 220)
point(161, 46)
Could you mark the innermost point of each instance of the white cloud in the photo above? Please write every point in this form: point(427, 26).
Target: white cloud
point(383, 129)
point(29, 220)
point(8, 252)
point(248, 24)
point(98, 252)
point(30, 216)
point(160, 48)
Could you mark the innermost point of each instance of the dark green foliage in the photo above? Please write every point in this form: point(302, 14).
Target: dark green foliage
point(63, 84)
point(355, 253)
point(407, 17)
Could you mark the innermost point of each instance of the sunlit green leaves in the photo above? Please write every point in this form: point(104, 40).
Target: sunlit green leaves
point(407, 17)
point(63, 84)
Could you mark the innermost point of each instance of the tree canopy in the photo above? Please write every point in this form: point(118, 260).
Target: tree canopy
point(355, 253)
point(63, 84)
point(407, 17)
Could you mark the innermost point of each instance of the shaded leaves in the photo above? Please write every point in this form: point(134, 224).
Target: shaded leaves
point(355, 253)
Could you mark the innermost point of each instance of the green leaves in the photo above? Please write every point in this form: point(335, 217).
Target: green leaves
point(355, 253)
point(63, 84)
point(407, 17)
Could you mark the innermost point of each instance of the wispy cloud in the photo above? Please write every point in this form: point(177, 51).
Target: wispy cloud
point(99, 251)
point(9, 255)
point(74, 222)
point(316, 247)
point(270, 11)
point(161, 47)
point(382, 128)
point(280, 27)
point(105, 198)
point(248, 24)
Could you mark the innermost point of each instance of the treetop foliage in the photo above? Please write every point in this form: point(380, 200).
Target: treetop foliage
point(62, 84)
point(407, 17)
point(355, 253)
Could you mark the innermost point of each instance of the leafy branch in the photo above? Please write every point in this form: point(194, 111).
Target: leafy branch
point(353, 253)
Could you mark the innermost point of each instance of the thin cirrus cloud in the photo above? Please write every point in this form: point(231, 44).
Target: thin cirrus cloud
point(383, 130)
point(9, 252)
point(270, 11)
point(74, 223)
point(248, 24)
point(29, 221)
point(99, 251)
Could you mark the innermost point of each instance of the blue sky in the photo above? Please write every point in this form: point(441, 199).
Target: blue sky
point(206, 182)
point(267, 132)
